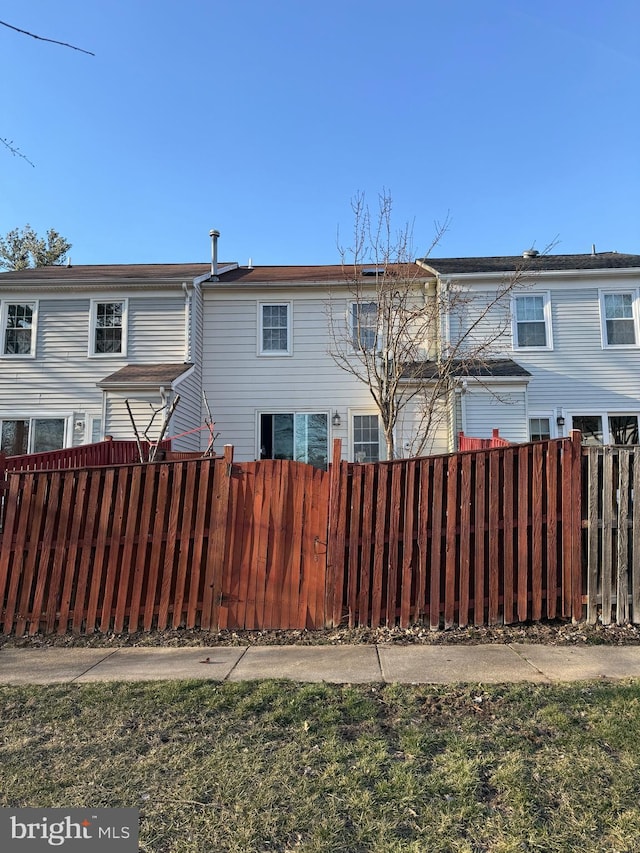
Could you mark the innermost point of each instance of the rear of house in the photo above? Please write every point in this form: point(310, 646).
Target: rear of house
point(77, 342)
point(571, 324)
point(275, 390)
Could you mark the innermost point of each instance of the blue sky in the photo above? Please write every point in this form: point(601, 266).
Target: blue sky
point(517, 119)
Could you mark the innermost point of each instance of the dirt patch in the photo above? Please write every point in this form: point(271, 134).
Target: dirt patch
point(550, 633)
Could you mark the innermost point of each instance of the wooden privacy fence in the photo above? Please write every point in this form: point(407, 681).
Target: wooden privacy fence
point(482, 537)
point(611, 522)
point(478, 537)
point(198, 543)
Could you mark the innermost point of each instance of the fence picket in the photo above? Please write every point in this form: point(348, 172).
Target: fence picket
point(186, 535)
point(523, 526)
point(607, 537)
point(465, 540)
point(408, 537)
point(61, 555)
point(622, 574)
point(367, 542)
point(551, 516)
point(635, 543)
point(508, 525)
point(114, 562)
point(393, 543)
point(86, 550)
point(32, 548)
point(537, 498)
point(436, 544)
point(379, 542)
point(479, 540)
point(451, 545)
point(494, 537)
point(19, 497)
point(354, 561)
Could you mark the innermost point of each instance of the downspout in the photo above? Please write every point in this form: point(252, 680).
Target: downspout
point(188, 334)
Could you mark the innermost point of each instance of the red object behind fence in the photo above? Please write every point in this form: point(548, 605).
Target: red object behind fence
point(467, 442)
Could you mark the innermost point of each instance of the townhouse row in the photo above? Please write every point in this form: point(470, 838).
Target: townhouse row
point(87, 351)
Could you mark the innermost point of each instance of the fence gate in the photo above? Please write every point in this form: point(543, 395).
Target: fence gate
point(275, 568)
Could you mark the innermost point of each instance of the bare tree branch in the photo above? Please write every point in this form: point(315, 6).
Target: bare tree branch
point(8, 143)
point(42, 38)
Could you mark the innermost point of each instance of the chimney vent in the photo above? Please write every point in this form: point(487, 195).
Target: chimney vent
point(214, 252)
point(530, 253)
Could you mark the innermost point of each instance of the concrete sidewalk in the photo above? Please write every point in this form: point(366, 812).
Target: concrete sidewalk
point(489, 664)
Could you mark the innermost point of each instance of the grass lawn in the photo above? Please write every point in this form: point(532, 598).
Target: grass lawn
point(272, 766)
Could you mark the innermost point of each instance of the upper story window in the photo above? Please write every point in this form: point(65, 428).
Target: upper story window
point(364, 325)
point(532, 321)
point(108, 328)
point(19, 325)
point(619, 319)
point(275, 329)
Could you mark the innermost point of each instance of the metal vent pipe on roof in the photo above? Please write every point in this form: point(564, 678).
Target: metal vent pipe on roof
point(214, 252)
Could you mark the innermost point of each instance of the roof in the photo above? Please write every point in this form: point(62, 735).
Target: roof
point(541, 263)
point(323, 273)
point(491, 368)
point(153, 375)
point(108, 272)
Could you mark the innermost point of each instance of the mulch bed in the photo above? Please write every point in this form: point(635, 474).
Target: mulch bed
point(550, 633)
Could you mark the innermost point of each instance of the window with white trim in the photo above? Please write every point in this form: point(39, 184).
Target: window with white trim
point(19, 328)
point(532, 321)
point(364, 326)
point(623, 429)
point(366, 438)
point(275, 328)
point(31, 435)
point(607, 428)
point(108, 328)
point(619, 319)
point(539, 428)
point(303, 436)
point(591, 428)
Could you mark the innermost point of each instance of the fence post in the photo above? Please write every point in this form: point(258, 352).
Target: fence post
point(333, 553)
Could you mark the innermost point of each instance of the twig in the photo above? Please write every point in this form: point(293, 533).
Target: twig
point(42, 38)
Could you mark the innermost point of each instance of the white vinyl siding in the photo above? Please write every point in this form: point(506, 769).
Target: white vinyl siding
point(505, 409)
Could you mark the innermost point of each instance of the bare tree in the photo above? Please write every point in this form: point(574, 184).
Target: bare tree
point(410, 341)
